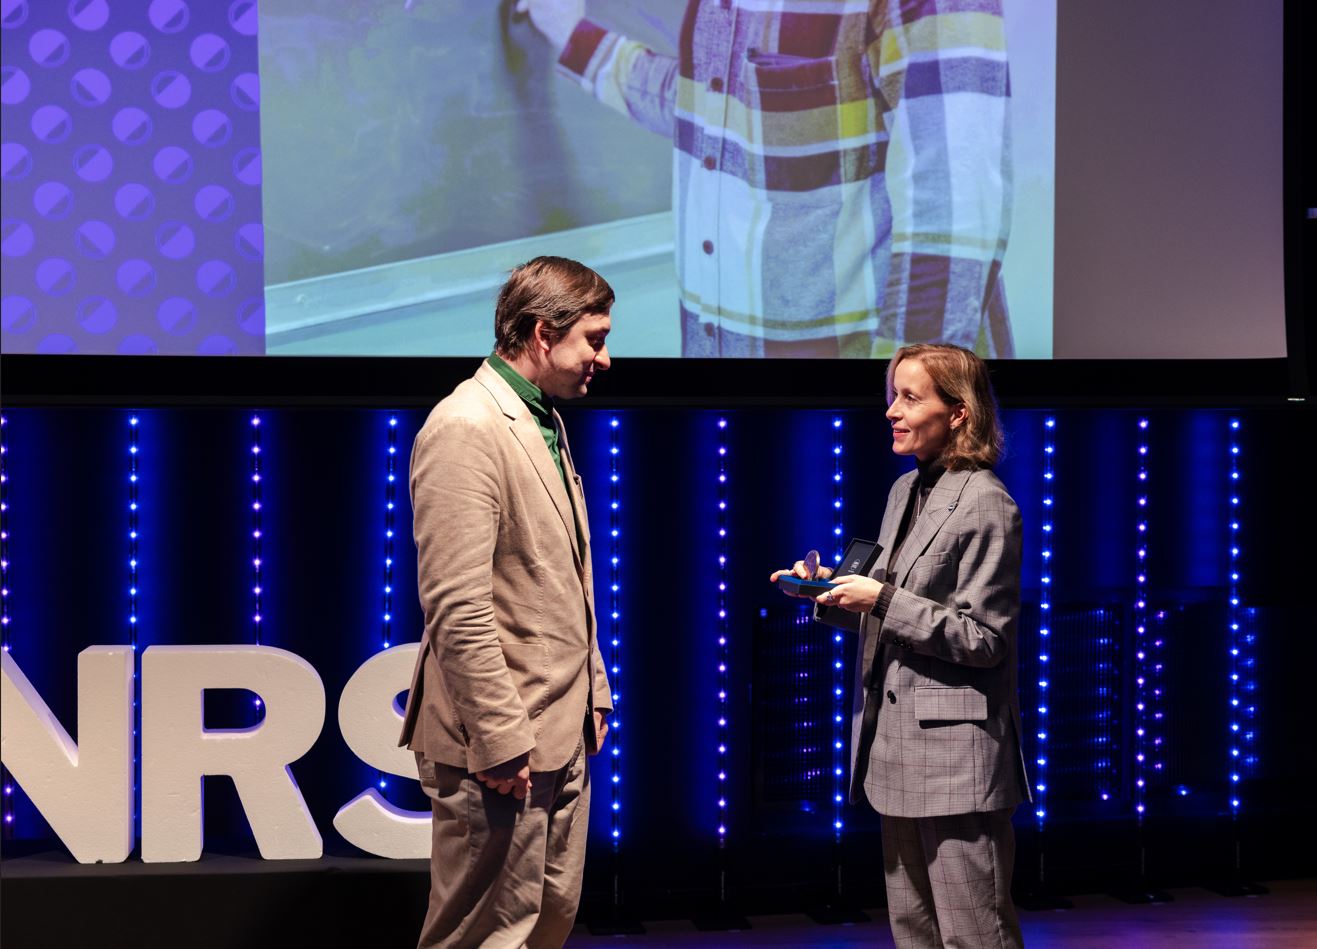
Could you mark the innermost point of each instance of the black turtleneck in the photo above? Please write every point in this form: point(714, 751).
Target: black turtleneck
point(929, 473)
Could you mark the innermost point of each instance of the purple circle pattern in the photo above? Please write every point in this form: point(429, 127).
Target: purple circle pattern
point(177, 316)
point(172, 165)
point(97, 315)
point(15, 85)
point(94, 239)
point(13, 13)
point(15, 161)
point(16, 238)
point(175, 240)
point(53, 200)
point(130, 50)
point(90, 88)
point(89, 15)
point(93, 163)
point(49, 48)
point(113, 247)
point(132, 126)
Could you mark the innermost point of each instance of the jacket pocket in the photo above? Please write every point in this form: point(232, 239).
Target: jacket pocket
point(794, 108)
point(941, 704)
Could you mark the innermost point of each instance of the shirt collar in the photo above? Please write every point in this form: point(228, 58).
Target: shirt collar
point(541, 406)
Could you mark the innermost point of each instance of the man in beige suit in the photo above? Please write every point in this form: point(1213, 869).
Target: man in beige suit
point(509, 694)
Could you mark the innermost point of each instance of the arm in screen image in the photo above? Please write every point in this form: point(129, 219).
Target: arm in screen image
point(869, 158)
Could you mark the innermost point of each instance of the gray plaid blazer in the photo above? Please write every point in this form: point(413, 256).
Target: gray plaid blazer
point(940, 668)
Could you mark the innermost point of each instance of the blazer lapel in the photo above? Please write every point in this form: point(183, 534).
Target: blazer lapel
point(580, 521)
point(527, 432)
point(942, 500)
point(896, 501)
point(891, 523)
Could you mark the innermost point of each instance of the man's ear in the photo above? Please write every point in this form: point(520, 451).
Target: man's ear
point(540, 337)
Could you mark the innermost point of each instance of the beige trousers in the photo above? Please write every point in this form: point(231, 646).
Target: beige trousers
point(503, 872)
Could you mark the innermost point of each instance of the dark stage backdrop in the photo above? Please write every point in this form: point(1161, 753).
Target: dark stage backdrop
point(1212, 482)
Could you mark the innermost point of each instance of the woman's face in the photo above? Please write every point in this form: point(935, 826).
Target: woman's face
point(921, 421)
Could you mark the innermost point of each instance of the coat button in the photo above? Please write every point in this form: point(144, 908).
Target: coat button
point(710, 162)
point(716, 83)
point(891, 696)
point(708, 247)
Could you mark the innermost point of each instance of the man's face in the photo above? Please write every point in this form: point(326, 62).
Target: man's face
point(572, 361)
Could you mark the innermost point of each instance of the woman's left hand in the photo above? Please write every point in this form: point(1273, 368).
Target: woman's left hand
point(853, 593)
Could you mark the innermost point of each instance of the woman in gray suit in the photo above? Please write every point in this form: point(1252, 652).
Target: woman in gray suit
point(935, 735)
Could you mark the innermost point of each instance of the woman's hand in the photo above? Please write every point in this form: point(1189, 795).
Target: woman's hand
point(853, 593)
point(799, 569)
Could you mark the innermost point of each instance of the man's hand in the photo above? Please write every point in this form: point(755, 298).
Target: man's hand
point(554, 18)
point(853, 593)
point(800, 570)
point(600, 731)
point(510, 776)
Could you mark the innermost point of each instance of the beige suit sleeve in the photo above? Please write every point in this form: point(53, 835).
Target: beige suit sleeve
point(456, 486)
point(601, 691)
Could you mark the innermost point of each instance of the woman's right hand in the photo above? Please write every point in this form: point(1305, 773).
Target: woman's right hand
point(800, 570)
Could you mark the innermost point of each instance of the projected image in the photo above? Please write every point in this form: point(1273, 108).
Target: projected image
point(832, 180)
point(130, 171)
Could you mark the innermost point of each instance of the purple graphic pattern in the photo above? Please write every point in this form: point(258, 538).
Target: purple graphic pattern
point(131, 171)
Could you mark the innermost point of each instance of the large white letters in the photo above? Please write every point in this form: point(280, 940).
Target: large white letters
point(370, 720)
point(83, 790)
point(177, 750)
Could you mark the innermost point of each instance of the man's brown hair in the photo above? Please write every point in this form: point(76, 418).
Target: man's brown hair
point(554, 291)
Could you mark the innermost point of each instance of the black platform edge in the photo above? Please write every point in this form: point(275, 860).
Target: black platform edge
point(217, 902)
point(417, 382)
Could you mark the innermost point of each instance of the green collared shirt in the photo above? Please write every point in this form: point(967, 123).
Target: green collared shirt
point(539, 406)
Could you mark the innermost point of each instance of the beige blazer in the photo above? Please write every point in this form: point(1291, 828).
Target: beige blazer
point(509, 662)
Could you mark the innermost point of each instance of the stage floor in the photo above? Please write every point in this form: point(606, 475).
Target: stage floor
point(1285, 918)
point(224, 901)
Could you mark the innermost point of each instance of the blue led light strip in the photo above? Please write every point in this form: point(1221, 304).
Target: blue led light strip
point(615, 625)
point(5, 618)
point(1142, 663)
point(1241, 735)
point(7, 801)
point(257, 590)
point(390, 504)
point(133, 497)
point(132, 530)
point(838, 645)
point(722, 631)
point(1045, 620)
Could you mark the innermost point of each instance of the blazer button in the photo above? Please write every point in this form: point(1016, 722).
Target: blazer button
point(891, 696)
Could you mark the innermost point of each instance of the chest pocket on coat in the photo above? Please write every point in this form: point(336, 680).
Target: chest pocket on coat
point(933, 576)
point(941, 704)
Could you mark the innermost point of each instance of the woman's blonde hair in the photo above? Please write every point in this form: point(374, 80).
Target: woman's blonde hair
point(960, 378)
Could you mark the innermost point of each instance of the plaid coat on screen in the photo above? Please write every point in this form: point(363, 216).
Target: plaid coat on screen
point(841, 168)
